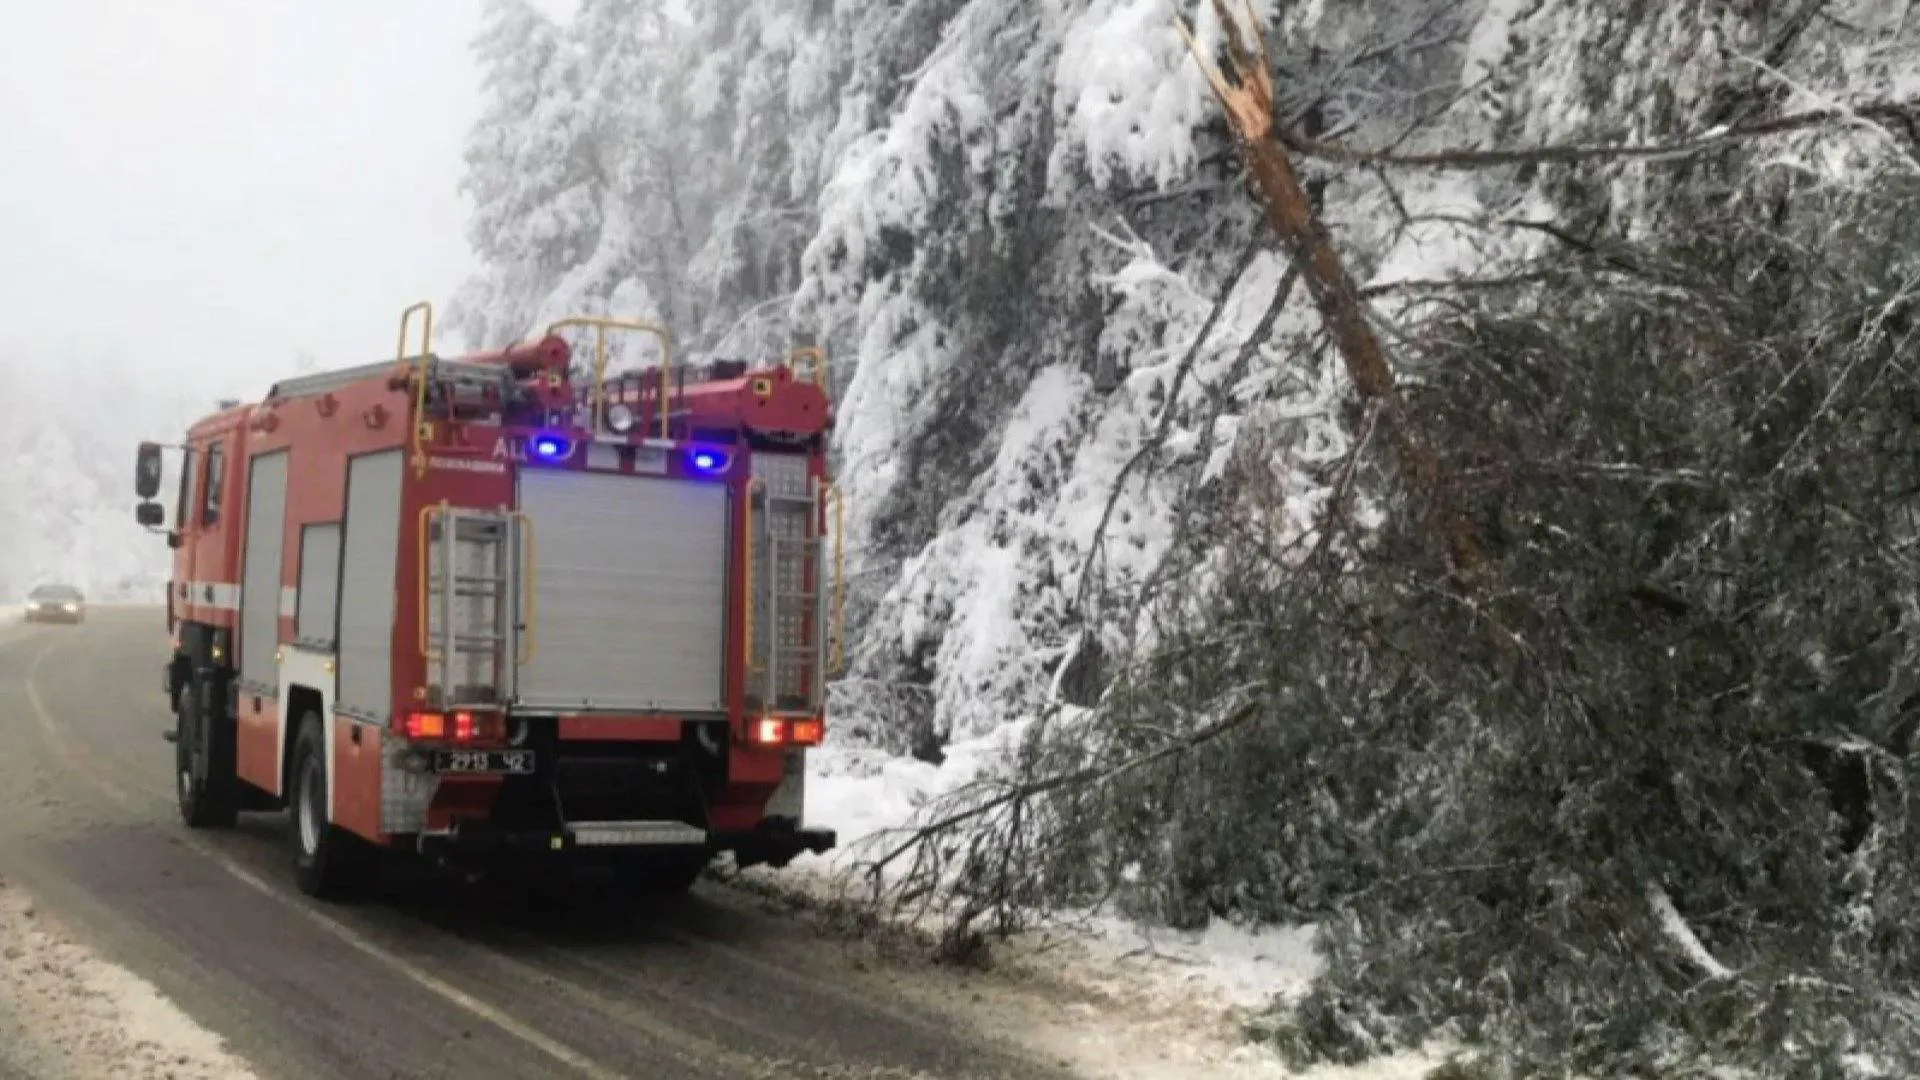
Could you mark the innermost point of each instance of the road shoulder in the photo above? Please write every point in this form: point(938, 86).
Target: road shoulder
point(67, 1014)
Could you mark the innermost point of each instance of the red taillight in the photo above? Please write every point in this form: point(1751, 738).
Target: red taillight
point(462, 726)
point(426, 725)
point(774, 731)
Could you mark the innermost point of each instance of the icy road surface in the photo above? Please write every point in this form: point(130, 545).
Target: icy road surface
point(202, 938)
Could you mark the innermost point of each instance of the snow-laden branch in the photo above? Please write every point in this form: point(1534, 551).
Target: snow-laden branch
point(1675, 929)
point(1153, 444)
point(1906, 113)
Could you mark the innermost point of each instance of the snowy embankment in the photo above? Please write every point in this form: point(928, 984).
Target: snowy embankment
point(1147, 1002)
point(67, 1012)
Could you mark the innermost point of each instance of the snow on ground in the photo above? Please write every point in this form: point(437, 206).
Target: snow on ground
point(1122, 1000)
point(82, 1017)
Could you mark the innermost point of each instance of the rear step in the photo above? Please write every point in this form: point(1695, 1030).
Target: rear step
point(772, 842)
point(634, 833)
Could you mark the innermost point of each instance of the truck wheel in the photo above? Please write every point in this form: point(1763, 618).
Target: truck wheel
point(203, 755)
point(327, 863)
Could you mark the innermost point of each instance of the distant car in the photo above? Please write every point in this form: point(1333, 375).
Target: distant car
point(56, 603)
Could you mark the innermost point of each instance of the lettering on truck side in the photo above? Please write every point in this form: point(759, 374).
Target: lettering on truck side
point(511, 449)
point(466, 465)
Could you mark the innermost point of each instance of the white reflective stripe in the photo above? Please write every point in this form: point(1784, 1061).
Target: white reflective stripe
point(225, 596)
point(220, 595)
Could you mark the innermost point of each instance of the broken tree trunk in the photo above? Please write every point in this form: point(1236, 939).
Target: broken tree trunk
point(1245, 91)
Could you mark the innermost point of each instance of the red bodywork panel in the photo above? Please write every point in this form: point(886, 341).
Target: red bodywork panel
point(469, 464)
point(771, 401)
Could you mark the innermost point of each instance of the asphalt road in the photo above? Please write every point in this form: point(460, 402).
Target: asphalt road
point(430, 980)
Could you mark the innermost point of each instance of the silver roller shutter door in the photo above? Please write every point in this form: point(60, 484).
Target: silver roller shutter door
point(632, 592)
point(367, 570)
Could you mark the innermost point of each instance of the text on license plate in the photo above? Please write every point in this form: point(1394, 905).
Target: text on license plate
point(483, 761)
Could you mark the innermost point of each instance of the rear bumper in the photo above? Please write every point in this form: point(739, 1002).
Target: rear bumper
point(775, 842)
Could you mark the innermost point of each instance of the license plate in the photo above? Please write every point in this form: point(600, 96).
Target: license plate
point(483, 761)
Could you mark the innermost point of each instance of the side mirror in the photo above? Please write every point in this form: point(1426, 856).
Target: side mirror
point(150, 514)
point(146, 473)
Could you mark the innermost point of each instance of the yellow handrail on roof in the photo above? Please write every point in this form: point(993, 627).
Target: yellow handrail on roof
point(419, 380)
point(601, 326)
point(819, 356)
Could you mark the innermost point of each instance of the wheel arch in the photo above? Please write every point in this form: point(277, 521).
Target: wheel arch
point(302, 701)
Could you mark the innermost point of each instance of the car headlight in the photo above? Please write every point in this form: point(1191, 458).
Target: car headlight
point(71, 607)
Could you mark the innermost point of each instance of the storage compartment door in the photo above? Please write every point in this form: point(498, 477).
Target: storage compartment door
point(630, 593)
point(260, 581)
point(367, 598)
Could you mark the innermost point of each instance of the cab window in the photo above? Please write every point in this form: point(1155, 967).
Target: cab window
point(216, 472)
point(183, 510)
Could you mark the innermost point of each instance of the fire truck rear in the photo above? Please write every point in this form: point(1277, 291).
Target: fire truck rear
point(481, 607)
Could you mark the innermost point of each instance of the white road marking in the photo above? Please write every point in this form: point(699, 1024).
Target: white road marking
point(558, 1051)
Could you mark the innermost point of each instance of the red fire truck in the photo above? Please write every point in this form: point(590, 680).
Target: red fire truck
point(481, 607)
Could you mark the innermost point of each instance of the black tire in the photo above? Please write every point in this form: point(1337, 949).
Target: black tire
point(203, 755)
point(328, 862)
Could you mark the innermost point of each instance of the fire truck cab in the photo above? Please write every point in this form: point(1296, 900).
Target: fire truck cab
point(485, 606)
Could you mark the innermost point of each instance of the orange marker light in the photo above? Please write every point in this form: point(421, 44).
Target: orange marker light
point(426, 725)
point(807, 732)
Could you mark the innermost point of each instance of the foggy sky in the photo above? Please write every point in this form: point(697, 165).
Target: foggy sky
point(209, 187)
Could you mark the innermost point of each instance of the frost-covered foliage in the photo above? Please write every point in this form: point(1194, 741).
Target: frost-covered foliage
point(1111, 485)
point(1003, 220)
point(67, 494)
point(1647, 797)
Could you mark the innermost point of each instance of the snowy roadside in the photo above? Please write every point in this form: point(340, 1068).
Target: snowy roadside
point(67, 1013)
point(1107, 996)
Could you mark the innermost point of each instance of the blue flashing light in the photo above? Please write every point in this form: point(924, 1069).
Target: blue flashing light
point(550, 447)
point(708, 461)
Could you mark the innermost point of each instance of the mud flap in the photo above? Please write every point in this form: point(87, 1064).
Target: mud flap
point(777, 842)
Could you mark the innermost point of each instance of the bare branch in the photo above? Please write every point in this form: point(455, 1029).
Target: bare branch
point(1092, 774)
point(1509, 281)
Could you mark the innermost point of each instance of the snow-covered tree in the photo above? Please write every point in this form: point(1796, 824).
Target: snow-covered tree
point(1118, 485)
point(538, 191)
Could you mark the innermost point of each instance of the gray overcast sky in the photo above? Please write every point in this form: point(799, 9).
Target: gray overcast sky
point(210, 186)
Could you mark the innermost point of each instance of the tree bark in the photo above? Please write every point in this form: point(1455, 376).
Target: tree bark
point(1246, 95)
